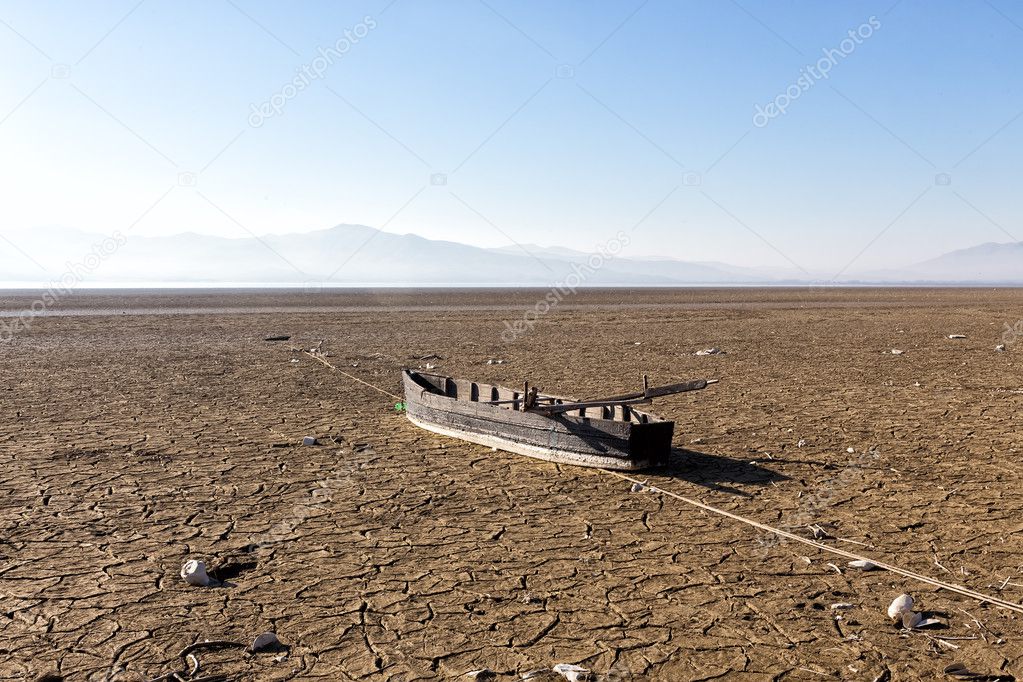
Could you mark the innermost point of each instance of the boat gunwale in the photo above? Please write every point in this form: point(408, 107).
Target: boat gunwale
point(510, 414)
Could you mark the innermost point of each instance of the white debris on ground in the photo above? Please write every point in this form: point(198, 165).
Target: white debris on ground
point(1000, 348)
point(900, 605)
point(573, 673)
point(309, 440)
point(957, 336)
point(711, 351)
point(863, 565)
point(896, 351)
point(194, 573)
point(901, 611)
point(496, 362)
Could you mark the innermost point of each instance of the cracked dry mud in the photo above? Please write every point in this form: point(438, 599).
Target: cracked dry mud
point(131, 442)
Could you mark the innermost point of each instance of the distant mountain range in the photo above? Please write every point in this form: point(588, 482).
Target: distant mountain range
point(355, 254)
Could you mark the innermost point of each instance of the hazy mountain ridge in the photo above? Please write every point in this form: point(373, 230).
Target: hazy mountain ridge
point(349, 254)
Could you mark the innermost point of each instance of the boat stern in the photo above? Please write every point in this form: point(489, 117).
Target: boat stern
point(651, 442)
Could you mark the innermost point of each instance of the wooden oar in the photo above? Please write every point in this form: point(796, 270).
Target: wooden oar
point(637, 398)
point(657, 392)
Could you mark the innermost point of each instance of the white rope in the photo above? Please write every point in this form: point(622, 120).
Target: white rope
point(316, 357)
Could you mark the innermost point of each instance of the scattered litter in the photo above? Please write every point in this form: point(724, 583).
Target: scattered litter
point(819, 533)
point(910, 619)
point(193, 664)
point(961, 672)
point(1000, 348)
point(900, 605)
point(429, 366)
point(572, 673)
point(277, 338)
point(481, 674)
point(638, 487)
point(801, 443)
point(916, 621)
point(295, 361)
point(496, 362)
point(696, 441)
point(864, 565)
point(901, 610)
point(711, 351)
point(896, 351)
point(264, 642)
point(919, 622)
point(194, 573)
point(310, 440)
point(851, 450)
point(957, 336)
point(841, 605)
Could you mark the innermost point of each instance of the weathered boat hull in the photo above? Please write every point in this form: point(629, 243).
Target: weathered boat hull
point(613, 438)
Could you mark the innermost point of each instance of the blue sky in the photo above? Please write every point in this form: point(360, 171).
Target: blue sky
point(533, 122)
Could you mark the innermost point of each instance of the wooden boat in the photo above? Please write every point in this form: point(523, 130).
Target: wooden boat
point(607, 433)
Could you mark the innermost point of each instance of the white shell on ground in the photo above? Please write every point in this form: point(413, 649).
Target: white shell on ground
point(911, 619)
point(902, 604)
point(928, 622)
point(572, 673)
point(266, 640)
point(864, 565)
point(194, 573)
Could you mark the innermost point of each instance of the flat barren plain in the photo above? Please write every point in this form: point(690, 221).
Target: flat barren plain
point(143, 429)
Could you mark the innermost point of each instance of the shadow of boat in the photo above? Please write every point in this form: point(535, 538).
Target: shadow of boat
point(715, 472)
